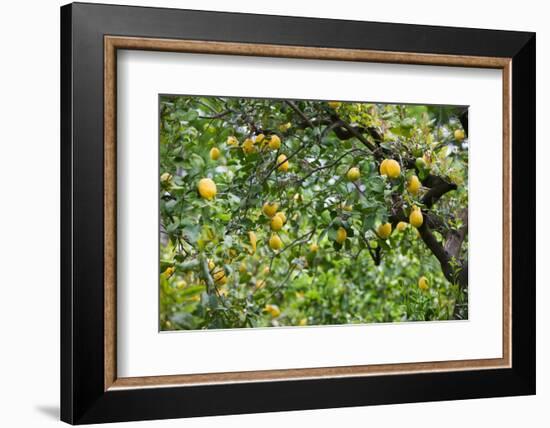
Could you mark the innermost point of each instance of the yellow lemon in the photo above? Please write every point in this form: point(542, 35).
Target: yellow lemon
point(214, 153)
point(232, 141)
point(272, 310)
point(423, 283)
point(275, 242)
point(269, 209)
point(459, 134)
point(282, 216)
point(384, 230)
point(211, 265)
point(274, 142)
point(383, 165)
point(401, 226)
point(334, 104)
point(243, 268)
point(169, 272)
point(416, 218)
point(283, 163)
point(285, 126)
point(298, 198)
point(276, 223)
point(219, 277)
point(166, 177)
point(353, 174)
point(265, 270)
point(392, 168)
point(260, 283)
point(413, 185)
point(302, 322)
point(341, 235)
point(260, 138)
point(207, 188)
point(314, 247)
point(253, 240)
point(248, 146)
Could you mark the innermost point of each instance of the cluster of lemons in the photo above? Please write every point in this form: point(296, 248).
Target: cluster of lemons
point(278, 219)
point(388, 167)
point(207, 187)
point(259, 142)
point(391, 169)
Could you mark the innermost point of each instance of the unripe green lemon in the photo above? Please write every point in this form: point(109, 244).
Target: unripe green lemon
point(420, 163)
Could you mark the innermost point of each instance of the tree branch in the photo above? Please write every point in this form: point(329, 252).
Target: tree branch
point(353, 131)
point(299, 112)
point(437, 191)
point(455, 238)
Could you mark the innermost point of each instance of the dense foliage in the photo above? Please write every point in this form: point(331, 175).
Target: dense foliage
point(281, 212)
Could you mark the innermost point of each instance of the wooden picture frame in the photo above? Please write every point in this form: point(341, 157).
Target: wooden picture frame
point(91, 390)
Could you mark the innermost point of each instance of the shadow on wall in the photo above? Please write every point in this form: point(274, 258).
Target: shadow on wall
point(50, 411)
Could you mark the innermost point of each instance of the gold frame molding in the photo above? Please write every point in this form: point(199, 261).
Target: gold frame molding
point(113, 43)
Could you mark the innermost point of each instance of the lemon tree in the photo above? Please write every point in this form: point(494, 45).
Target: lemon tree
point(285, 212)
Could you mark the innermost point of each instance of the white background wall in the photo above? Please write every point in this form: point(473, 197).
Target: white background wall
point(29, 213)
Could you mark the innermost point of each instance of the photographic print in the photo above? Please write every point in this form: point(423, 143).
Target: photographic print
point(282, 212)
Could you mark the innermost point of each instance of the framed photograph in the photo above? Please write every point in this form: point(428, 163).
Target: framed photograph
point(265, 213)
